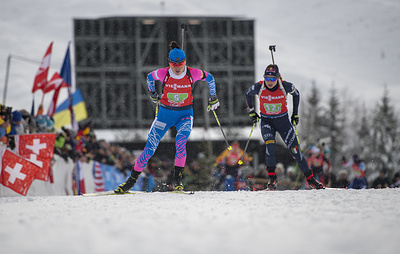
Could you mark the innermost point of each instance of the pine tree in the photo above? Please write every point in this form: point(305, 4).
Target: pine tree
point(311, 113)
point(385, 141)
point(335, 128)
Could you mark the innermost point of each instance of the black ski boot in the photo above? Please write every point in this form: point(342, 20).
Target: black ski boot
point(314, 183)
point(177, 178)
point(128, 184)
point(272, 178)
point(272, 183)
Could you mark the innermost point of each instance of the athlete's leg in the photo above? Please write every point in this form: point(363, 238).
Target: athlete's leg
point(268, 133)
point(288, 134)
point(157, 131)
point(184, 128)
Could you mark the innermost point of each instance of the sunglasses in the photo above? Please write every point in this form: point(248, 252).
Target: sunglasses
point(270, 79)
point(177, 64)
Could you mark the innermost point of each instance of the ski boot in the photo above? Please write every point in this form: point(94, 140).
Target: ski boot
point(272, 178)
point(128, 184)
point(177, 178)
point(272, 183)
point(314, 183)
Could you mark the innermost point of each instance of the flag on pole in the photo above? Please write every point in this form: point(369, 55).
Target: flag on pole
point(55, 83)
point(62, 115)
point(98, 177)
point(41, 75)
point(65, 73)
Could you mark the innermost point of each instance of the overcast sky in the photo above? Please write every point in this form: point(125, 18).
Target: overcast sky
point(351, 45)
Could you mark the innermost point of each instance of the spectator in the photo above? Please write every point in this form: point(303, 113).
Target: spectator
point(396, 181)
point(3, 127)
point(17, 126)
point(342, 182)
point(41, 124)
point(317, 162)
point(230, 159)
point(381, 181)
point(358, 167)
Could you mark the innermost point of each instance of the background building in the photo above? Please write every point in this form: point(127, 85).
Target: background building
point(114, 55)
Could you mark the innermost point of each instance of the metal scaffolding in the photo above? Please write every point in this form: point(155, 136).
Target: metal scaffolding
point(114, 55)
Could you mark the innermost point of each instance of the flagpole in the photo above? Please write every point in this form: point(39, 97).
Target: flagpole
point(8, 71)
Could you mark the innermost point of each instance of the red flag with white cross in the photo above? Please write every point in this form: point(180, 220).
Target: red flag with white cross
point(39, 149)
point(17, 173)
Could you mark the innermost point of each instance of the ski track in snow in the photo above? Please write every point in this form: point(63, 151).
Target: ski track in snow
point(327, 221)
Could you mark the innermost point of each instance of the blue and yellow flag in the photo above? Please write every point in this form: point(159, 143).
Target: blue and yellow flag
point(62, 116)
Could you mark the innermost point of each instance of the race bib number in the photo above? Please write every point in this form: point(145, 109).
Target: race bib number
point(177, 97)
point(273, 108)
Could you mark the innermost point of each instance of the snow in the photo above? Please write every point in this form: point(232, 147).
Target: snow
point(307, 221)
point(350, 44)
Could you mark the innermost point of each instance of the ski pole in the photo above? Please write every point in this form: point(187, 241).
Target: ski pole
point(247, 144)
point(272, 49)
point(157, 106)
point(220, 127)
point(295, 131)
point(183, 28)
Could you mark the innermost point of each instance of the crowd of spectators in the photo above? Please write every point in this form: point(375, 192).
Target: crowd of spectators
point(200, 173)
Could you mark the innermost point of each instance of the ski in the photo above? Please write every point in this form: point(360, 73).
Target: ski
point(109, 193)
point(182, 192)
point(112, 193)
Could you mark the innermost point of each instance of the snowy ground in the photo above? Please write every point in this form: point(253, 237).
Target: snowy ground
point(323, 221)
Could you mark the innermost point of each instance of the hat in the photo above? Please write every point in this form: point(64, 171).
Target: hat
point(272, 70)
point(315, 150)
point(41, 121)
point(17, 116)
point(176, 55)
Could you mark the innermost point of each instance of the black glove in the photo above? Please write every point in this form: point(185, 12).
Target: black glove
point(295, 119)
point(254, 117)
point(154, 97)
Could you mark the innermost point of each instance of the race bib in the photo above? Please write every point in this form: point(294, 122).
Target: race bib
point(272, 108)
point(177, 97)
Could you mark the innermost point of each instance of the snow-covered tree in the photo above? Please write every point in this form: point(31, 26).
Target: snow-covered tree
point(384, 136)
point(311, 116)
point(335, 127)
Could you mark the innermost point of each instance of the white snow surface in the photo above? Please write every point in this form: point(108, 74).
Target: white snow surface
point(307, 221)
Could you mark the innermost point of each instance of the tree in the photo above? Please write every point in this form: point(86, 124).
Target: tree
point(312, 115)
point(384, 137)
point(335, 127)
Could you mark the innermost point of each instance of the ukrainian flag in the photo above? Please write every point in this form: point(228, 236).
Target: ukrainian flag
point(62, 115)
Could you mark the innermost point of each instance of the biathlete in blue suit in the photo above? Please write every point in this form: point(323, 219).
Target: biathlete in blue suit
point(274, 118)
point(176, 109)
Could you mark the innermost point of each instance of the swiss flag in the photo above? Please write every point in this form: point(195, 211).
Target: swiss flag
point(39, 149)
point(17, 173)
point(41, 75)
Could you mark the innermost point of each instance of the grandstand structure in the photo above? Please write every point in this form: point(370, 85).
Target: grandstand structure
point(113, 56)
